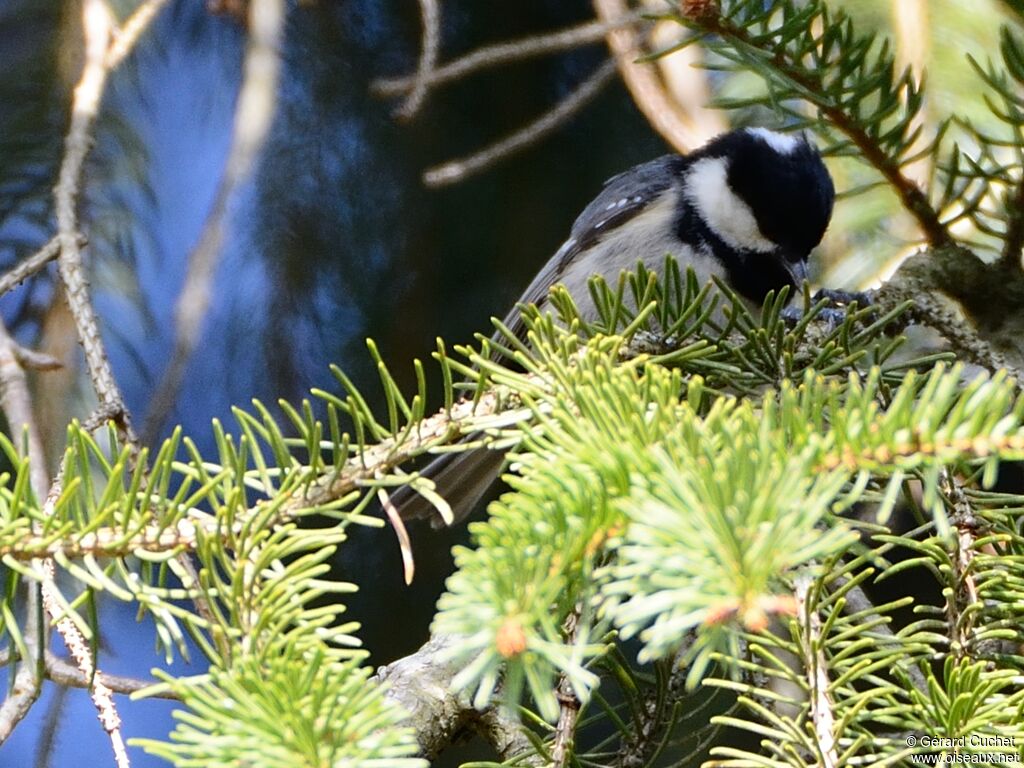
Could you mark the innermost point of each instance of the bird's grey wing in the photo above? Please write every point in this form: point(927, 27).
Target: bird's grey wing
point(623, 197)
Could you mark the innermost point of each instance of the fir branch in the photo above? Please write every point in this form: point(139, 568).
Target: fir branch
point(816, 667)
point(792, 57)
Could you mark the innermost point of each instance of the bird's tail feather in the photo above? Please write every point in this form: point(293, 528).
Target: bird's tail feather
point(461, 479)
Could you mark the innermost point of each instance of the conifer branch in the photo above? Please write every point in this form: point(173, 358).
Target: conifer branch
point(782, 63)
point(815, 666)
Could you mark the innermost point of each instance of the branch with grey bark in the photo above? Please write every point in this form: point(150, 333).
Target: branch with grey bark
point(421, 684)
point(973, 305)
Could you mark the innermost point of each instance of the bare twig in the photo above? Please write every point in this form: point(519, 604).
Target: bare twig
point(964, 594)
point(17, 407)
point(253, 116)
point(102, 696)
point(30, 266)
point(98, 25)
point(16, 404)
point(816, 667)
point(457, 170)
point(641, 79)
point(430, 15)
point(65, 673)
point(504, 53)
point(46, 741)
point(563, 747)
point(128, 35)
point(25, 687)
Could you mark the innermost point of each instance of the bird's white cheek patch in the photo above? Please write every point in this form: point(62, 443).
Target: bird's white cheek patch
point(707, 189)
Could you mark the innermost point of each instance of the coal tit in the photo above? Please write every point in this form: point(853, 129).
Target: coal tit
point(749, 206)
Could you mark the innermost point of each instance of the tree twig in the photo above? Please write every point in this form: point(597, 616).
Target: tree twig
point(125, 38)
point(101, 695)
point(563, 747)
point(25, 687)
point(30, 266)
point(642, 81)
point(98, 24)
point(17, 407)
point(816, 668)
point(253, 117)
point(421, 684)
point(430, 44)
point(964, 593)
point(457, 170)
point(65, 673)
point(504, 53)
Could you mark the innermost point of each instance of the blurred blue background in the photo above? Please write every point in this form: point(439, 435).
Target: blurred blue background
point(333, 239)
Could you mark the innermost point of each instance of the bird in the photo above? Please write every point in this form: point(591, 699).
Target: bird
point(748, 207)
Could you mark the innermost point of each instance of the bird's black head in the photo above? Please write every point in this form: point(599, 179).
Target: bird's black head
point(767, 197)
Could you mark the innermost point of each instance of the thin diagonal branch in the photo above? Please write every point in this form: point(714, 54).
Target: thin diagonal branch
point(131, 31)
point(30, 266)
point(17, 407)
point(457, 170)
point(430, 15)
point(28, 678)
point(964, 593)
point(253, 117)
point(98, 25)
point(563, 748)
point(63, 672)
point(102, 696)
point(641, 79)
point(504, 53)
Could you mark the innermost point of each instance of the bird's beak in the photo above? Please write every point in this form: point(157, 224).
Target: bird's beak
point(797, 270)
